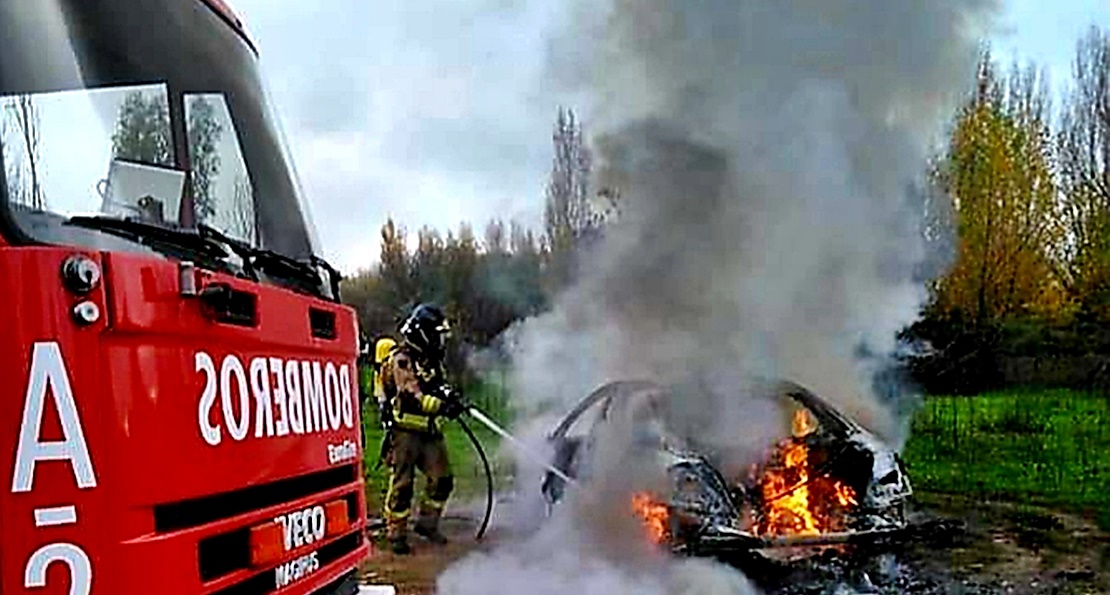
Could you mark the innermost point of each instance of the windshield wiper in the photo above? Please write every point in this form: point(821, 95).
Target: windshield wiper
point(275, 264)
point(214, 248)
point(333, 273)
point(160, 238)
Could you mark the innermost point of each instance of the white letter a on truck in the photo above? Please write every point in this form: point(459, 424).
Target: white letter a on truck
point(48, 375)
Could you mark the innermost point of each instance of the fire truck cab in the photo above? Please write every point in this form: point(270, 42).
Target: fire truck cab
point(179, 399)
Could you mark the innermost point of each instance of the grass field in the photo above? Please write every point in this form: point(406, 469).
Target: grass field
point(1038, 447)
point(467, 467)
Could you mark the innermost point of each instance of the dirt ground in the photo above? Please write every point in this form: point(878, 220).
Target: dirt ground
point(416, 573)
point(1008, 548)
point(975, 547)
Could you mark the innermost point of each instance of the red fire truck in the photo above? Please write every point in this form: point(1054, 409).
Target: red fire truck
point(178, 375)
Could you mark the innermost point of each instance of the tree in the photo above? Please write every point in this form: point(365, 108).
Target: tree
point(460, 268)
point(143, 130)
point(1084, 149)
point(526, 271)
point(999, 176)
point(567, 213)
point(21, 138)
point(428, 266)
point(28, 122)
point(367, 294)
point(395, 268)
point(243, 223)
point(205, 133)
point(143, 134)
point(495, 242)
point(9, 141)
point(465, 304)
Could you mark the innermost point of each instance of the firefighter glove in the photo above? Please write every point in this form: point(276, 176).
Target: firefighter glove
point(452, 408)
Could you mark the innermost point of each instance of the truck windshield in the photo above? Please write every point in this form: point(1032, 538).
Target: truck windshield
point(150, 110)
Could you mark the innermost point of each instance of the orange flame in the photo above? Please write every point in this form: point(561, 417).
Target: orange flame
point(845, 495)
point(795, 503)
point(802, 423)
point(654, 515)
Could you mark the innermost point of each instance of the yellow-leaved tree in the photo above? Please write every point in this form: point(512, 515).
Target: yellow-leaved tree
point(998, 179)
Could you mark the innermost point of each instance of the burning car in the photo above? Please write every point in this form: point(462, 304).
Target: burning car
point(826, 482)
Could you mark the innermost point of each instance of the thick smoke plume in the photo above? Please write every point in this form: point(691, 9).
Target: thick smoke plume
point(764, 150)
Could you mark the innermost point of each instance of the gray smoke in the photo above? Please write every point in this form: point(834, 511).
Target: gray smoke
point(764, 150)
point(592, 543)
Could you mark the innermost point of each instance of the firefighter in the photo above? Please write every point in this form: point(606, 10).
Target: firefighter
point(414, 396)
point(383, 348)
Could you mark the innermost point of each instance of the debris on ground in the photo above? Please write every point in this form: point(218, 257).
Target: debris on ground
point(967, 547)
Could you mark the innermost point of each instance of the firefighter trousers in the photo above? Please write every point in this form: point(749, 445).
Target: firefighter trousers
point(412, 451)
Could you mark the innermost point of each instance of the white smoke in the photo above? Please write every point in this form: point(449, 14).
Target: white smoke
point(764, 149)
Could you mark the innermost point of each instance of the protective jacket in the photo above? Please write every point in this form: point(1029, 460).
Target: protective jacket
point(416, 412)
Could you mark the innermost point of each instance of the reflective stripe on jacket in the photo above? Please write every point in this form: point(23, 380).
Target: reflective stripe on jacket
point(425, 421)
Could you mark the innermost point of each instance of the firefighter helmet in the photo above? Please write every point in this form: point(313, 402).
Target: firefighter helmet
point(382, 350)
point(426, 330)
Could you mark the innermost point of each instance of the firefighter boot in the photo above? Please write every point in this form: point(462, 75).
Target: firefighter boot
point(397, 532)
point(431, 509)
point(400, 546)
point(428, 528)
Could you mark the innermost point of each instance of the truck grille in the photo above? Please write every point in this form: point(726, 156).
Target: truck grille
point(200, 511)
point(228, 552)
point(223, 554)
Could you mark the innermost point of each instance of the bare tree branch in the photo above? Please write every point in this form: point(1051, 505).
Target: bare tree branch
point(1084, 153)
point(243, 221)
point(29, 123)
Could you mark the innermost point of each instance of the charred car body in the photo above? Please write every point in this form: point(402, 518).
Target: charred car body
point(828, 481)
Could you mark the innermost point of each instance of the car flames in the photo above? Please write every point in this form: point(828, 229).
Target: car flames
point(796, 501)
point(654, 515)
point(827, 482)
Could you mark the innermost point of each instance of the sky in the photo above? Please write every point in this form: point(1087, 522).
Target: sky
point(435, 113)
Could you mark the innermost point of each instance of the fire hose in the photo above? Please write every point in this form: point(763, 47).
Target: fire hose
point(520, 446)
point(484, 419)
point(489, 478)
